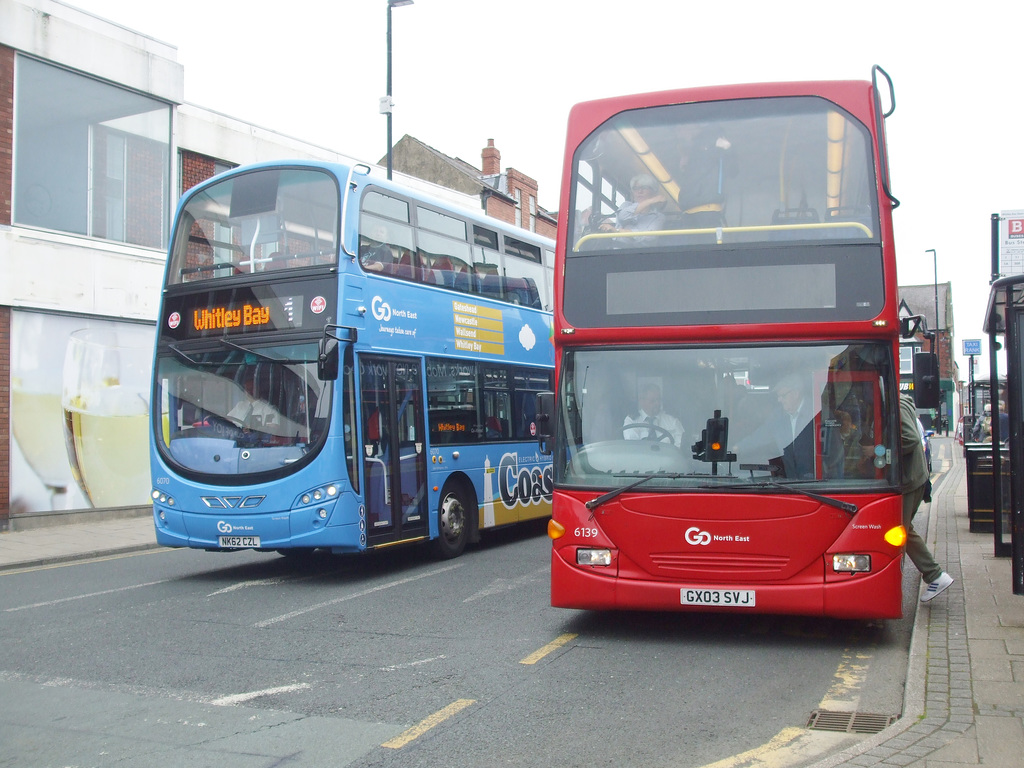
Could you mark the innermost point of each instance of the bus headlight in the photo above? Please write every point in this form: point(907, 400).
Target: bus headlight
point(593, 557)
point(314, 495)
point(162, 498)
point(849, 563)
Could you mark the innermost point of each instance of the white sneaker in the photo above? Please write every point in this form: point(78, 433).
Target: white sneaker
point(937, 587)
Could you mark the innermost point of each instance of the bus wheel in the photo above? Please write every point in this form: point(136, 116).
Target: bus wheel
point(452, 523)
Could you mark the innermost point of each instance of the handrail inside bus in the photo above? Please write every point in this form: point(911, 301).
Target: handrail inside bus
point(349, 187)
point(720, 231)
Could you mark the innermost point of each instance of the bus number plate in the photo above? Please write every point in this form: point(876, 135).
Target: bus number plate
point(739, 598)
point(239, 542)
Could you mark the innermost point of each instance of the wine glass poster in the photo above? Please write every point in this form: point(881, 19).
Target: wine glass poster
point(79, 412)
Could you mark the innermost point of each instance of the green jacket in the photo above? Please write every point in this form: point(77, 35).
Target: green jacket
point(915, 467)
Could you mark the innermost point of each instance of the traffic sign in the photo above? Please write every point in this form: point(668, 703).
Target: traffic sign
point(972, 347)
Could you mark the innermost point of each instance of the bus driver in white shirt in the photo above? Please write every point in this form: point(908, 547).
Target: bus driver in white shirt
point(650, 415)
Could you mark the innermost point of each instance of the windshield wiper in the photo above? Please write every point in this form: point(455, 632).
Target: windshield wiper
point(262, 355)
point(171, 346)
point(595, 503)
point(845, 506)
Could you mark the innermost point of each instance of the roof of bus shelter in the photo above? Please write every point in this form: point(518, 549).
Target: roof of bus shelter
point(1003, 291)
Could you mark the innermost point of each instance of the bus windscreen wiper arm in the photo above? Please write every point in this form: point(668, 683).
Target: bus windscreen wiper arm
point(595, 503)
point(261, 355)
point(847, 507)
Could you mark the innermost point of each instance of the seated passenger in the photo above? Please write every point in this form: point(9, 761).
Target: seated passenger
point(642, 214)
point(376, 255)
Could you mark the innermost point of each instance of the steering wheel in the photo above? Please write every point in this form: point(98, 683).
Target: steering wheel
point(661, 435)
point(596, 220)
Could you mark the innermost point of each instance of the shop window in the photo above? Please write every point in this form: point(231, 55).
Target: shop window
point(90, 158)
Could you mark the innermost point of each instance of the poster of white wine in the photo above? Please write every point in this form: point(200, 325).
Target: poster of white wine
point(79, 412)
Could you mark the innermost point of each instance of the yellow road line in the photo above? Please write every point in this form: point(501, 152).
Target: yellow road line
point(435, 719)
point(760, 756)
point(555, 644)
point(844, 693)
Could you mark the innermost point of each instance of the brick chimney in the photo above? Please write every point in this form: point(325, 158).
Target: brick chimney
point(491, 159)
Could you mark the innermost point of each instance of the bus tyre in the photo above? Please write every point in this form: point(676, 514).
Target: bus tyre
point(452, 522)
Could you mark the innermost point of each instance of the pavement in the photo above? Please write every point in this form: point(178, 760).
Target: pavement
point(964, 699)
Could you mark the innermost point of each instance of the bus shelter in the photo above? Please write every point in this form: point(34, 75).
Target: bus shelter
point(1004, 324)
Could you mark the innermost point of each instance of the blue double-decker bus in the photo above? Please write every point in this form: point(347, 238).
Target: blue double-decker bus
point(345, 363)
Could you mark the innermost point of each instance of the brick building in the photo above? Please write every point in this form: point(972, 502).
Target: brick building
point(510, 196)
point(921, 300)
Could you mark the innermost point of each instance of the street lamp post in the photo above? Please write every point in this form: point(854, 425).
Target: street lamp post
point(935, 259)
point(386, 104)
point(935, 330)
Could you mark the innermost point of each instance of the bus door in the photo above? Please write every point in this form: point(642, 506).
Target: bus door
point(394, 448)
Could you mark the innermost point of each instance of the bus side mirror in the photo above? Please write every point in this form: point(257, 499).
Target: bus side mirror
point(544, 420)
point(327, 359)
point(926, 380)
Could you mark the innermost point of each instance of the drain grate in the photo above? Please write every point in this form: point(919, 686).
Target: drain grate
point(849, 722)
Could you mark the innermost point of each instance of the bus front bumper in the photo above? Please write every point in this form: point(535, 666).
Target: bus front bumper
point(875, 595)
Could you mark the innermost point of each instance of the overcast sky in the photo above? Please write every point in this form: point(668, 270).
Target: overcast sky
point(465, 71)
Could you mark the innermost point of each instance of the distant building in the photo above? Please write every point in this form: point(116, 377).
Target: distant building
point(96, 148)
point(510, 196)
point(920, 300)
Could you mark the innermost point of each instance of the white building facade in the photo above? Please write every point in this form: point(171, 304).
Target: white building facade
point(96, 147)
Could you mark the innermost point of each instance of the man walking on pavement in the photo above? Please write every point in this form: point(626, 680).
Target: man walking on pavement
point(915, 480)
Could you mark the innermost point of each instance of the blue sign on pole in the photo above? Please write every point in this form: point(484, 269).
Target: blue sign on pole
point(972, 347)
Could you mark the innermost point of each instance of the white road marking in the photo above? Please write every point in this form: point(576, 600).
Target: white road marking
point(83, 597)
point(396, 667)
point(500, 586)
point(244, 584)
point(238, 698)
point(355, 595)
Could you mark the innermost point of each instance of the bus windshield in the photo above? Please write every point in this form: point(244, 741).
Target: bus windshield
point(237, 410)
point(817, 414)
point(268, 219)
point(724, 172)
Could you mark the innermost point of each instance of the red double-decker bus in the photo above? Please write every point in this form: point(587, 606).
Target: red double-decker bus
point(726, 425)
